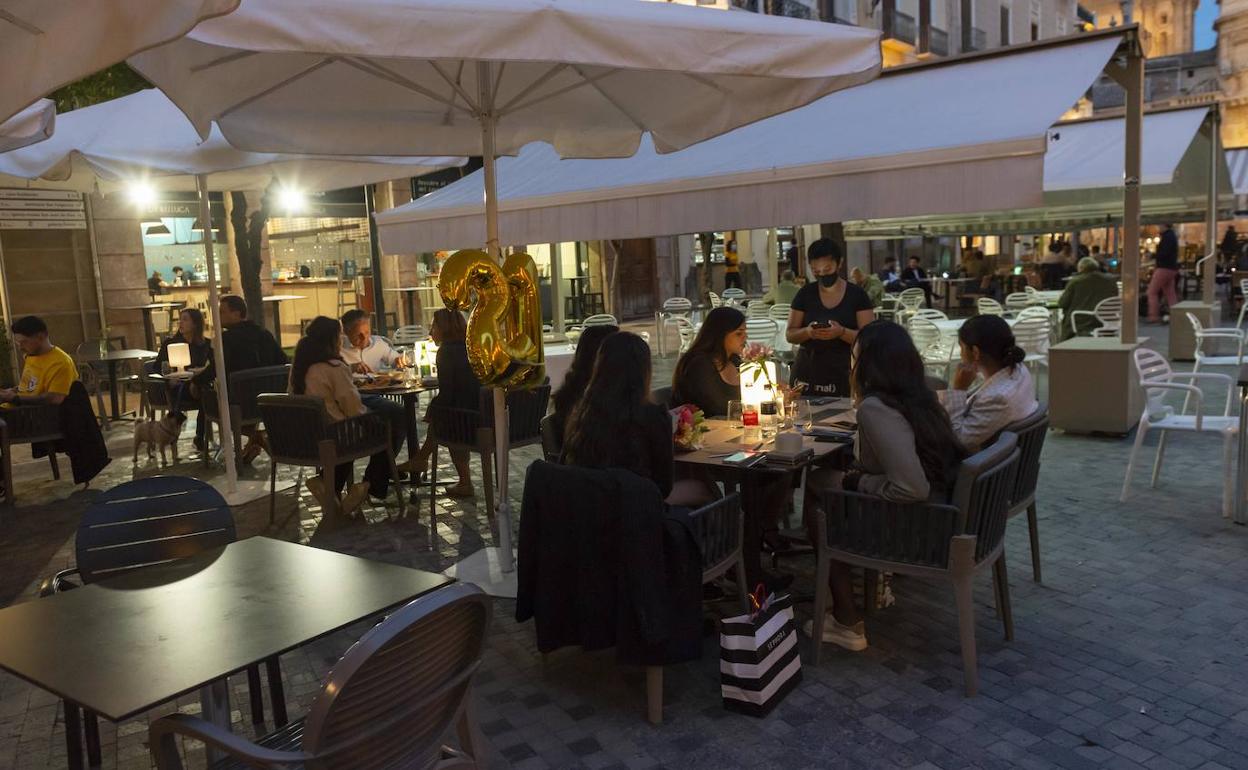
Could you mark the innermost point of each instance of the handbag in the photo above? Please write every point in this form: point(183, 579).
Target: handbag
point(759, 662)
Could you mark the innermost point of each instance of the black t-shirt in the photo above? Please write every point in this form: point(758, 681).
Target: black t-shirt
point(824, 364)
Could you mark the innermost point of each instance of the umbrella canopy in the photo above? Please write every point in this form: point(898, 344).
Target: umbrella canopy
point(45, 44)
point(143, 136)
point(33, 124)
point(589, 76)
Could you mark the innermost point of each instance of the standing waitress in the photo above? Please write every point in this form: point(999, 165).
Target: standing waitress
point(824, 318)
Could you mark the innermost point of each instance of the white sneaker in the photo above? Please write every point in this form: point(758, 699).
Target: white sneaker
point(852, 638)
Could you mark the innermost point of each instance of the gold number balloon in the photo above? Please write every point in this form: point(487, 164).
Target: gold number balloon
point(505, 323)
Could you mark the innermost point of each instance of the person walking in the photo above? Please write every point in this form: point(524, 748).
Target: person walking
point(1165, 273)
point(732, 266)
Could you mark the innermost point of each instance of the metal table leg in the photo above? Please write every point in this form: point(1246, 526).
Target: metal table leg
point(1241, 467)
point(112, 391)
point(73, 735)
point(214, 703)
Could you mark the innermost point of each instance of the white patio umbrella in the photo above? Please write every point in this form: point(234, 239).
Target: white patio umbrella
point(486, 77)
point(145, 138)
point(33, 124)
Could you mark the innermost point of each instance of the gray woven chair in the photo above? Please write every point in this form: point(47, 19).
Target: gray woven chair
point(142, 523)
point(37, 424)
point(552, 445)
point(937, 542)
point(245, 388)
point(301, 433)
point(393, 700)
point(1031, 432)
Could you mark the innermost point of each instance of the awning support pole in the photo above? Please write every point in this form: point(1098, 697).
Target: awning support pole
point(218, 351)
point(1131, 78)
point(1208, 283)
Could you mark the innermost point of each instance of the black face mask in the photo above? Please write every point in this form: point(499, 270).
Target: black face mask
point(828, 281)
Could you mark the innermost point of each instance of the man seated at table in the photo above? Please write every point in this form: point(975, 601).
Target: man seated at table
point(869, 283)
point(1084, 292)
point(364, 351)
point(784, 291)
point(49, 371)
point(915, 277)
point(889, 275)
point(244, 345)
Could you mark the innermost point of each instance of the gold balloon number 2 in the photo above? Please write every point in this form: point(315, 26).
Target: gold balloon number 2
point(505, 321)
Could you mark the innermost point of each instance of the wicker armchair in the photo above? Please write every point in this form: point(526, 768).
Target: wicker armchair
point(36, 424)
point(393, 700)
point(473, 430)
point(939, 542)
point(301, 433)
point(245, 388)
point(552, 444)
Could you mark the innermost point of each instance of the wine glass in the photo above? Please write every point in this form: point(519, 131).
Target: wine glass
point(734, 413)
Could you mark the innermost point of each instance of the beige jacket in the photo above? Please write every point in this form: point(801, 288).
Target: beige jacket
point(1003, 399)
point(331, 381)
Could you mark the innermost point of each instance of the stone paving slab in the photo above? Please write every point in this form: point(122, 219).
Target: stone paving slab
point(1131, 654)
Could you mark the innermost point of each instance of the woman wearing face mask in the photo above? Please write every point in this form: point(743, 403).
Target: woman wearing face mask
point(824, 320)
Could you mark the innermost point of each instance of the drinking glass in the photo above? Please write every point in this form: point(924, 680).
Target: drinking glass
point(734, 412)
point(805, 414)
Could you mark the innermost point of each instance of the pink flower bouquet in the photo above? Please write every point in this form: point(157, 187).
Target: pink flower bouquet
point(690, 427)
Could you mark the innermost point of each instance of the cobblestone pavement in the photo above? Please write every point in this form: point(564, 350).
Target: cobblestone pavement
point(1131, 654)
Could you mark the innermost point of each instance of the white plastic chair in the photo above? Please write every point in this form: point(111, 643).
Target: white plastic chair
point(761, 330)
point(934, 347)
point(407, 335)
point(1158, 379)
point(989, 306)
point(673, 308)
point(715, 299)
point(1243, 307)
point(1018, 302)
point(687, 332)
point(930, 314)
point(600, 319)
point(1032, 292)
point(1033, 335)
point(757, 309)
point(779, 312)
point(1108, 312)
point(733, 296)
point(1215, 334)
point(909, 301)
point(889, 306)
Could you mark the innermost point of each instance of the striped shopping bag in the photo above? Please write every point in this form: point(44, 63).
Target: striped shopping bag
point(758, 659)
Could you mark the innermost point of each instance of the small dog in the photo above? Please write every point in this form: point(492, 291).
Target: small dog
point(159, 433)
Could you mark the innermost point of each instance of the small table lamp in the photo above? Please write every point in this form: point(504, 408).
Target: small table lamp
point(179, 356)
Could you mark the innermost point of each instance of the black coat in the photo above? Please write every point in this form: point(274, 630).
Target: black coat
point(82, 440)
point(602, 564)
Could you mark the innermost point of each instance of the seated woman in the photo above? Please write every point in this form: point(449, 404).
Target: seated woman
point(319, 370)
point(1007, 393)
point(707, 374)
point(191, 332)
point(906, 451)
point(458, 388)
point(577, 379)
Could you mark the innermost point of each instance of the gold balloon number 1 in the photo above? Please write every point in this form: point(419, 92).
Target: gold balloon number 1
point(505, 321)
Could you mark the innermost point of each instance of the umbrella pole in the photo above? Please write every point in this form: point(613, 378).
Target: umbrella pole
point(218, 352)
point(502, 439)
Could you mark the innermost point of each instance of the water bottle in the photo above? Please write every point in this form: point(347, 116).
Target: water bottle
point(769, 416)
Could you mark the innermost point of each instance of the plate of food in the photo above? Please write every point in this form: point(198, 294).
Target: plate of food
point(378, 380)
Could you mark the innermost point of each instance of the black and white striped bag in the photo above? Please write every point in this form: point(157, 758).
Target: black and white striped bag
point(758, 658)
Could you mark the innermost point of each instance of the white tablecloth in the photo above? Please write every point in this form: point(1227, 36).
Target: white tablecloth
point(558, 361)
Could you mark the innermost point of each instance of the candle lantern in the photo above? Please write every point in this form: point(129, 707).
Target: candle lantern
point(179, 356)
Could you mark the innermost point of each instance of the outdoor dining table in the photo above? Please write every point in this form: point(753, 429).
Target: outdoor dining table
point(149, 329)
point(409, 394)
point(275, 301)
point(112, 358)
point(724, 438)
point(127, 644)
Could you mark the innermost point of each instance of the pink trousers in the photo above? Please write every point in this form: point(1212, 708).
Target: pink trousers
point(1163, 281)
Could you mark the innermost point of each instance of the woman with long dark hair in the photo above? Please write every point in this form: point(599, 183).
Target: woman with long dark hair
point(190, 331)
point(906, 451)
point(1007, 393)
point(318, 370)
point(707, 373)
point(577, 379)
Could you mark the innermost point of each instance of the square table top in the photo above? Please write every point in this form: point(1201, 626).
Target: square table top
point(124, 645)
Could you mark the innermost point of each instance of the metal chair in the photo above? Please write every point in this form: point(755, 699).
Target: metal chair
point(1157, 378)
point(761, 330)
point(472, 430)
point(1030, 431)
point(988, 306)
point(95, 376)
point(35, 425)
point(144, 523)
point(301, 433)
point(733, 296)
point(245, 389)
point(408, 335)
point(940, 542)
point(393, 700)
point(1106, 315)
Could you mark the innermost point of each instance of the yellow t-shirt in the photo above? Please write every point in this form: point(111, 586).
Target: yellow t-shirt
point(52, 372)
point(731, 261)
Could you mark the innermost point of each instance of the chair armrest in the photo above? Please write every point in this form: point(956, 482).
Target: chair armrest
point(1191, 390)
point(57, 583)
point(359, 433)
point(875, 528)
point(717, 528)
point(162, 732)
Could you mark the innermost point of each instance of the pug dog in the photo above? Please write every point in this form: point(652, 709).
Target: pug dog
point(159, 433)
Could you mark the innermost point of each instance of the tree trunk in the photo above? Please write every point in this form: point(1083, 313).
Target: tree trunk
point(248, 236)
point(704, 270)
